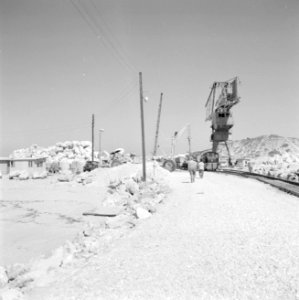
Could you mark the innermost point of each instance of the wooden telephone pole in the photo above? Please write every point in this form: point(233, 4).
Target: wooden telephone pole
point(189, 138)
point(158, 125)
point(142, 129)
point(100, 146)
point(92, 138)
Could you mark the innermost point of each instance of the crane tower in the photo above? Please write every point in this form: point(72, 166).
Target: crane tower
point(223, 96)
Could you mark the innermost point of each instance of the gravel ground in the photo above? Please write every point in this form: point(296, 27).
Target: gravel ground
point(214, 239)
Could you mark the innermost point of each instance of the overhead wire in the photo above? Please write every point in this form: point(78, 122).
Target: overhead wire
point(116, 102)
point(111, 37)
point(98, 31)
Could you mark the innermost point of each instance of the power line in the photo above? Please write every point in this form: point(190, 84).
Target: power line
point(118, 100)
point(99, 32)
point(112, 37)
point(90, 25)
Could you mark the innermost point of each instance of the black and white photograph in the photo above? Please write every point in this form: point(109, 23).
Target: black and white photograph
point(149, 149)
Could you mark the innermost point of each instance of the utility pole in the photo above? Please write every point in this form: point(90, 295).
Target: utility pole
point(189, 139)
point(100, 146)
point(158, 125)
point(173, 141)
point(92, 138)
point(142, 129)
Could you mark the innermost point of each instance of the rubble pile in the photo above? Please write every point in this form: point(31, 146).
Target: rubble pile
point(25, 175)
point(61, 151)
point(283, 171)
point(21, 175)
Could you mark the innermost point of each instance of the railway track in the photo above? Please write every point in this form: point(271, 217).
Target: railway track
point(290, 187)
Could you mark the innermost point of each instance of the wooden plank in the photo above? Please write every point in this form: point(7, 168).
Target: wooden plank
point(104, 212)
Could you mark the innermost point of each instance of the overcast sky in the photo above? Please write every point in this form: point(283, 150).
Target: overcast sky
point(63, 60)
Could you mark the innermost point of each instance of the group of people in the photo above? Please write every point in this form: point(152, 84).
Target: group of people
point(194, 166)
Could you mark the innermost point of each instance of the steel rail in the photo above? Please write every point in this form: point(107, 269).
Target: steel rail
point(290, 187)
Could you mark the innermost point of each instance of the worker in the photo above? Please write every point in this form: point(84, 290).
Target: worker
point(192, 166)
point(201, 168)
point(249, 167)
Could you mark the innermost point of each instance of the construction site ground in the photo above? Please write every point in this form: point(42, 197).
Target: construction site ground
point(222, 237)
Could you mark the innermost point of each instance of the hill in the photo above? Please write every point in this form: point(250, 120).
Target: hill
point(267, 153)
point(266, 147)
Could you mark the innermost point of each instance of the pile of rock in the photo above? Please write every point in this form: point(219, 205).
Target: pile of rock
point(65, 176)
point(137, 198)
point(278, 170)
point(85, 178)
point(25, 175)
point(69, 150)
point(21, 175)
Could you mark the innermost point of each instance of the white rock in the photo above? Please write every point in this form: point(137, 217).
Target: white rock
point(43, 174)
point(66, 176)
point(132, 187)
point(24, 175)
point(86, 144)
point(142, 213)
point(35, 175)
point(14, 174)
point(3, 277)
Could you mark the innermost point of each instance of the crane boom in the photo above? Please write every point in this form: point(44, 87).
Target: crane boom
point(176, 136)
point(158, 126)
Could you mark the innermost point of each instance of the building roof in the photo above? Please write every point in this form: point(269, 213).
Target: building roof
point(22, 159)
point(28, 158)
point(4, 158)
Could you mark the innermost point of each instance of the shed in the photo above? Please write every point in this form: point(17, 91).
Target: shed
point(242, 162)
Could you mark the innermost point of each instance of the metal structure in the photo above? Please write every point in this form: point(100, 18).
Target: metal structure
point(211, 160)
point(176, 136)
point(170, 164)
point(223, 96)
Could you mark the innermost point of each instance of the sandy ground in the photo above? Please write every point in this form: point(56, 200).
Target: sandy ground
point(220, 238)
point(37, 216)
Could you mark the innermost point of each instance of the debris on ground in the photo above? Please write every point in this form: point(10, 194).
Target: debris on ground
point(135, 200)
point(65, 176)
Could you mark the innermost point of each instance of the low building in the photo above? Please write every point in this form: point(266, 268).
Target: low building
point(242, 162)
point(28, 164)
point(4, 165)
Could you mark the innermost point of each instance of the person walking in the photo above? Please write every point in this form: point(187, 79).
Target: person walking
point(201, 168)
point(192, 166)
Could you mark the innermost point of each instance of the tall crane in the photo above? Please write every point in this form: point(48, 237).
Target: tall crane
point(223, 96)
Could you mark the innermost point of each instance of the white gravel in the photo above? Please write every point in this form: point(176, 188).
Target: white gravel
point(224, 237)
